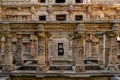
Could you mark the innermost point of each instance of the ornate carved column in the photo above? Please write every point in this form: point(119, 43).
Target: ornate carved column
point(48, 44)
point(8, 57)
point(78, 47)
point(41, 49)
point(2, 49)
point(78, 50)
point(101, 49)
point(113, 51)
point(80, 54)
point(7, 48)
point(19, 60)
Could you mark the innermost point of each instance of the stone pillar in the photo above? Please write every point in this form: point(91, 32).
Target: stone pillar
point(78, 45)
point(80, 54)
point(19, 60)
point(113, 51)
point(41, 50)
point(101, 50)
point(2, 49)
point(0, 52)
point(7, 48)
point(8, 57)
point(48, 35)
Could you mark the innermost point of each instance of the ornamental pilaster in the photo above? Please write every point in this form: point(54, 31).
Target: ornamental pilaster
point(112, 35)
point(19, 60)
point(8, 56)
point(41, 49)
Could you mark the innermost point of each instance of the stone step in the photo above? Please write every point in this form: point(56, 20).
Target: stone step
point(26, 67)
point(3, 78)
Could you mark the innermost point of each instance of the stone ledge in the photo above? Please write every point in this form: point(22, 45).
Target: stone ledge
point(58, 22)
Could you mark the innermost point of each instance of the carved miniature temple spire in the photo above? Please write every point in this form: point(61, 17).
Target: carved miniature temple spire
point(41, 49)
point(19, 60)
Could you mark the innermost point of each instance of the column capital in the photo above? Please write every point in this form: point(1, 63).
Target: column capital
point(33, 37)
point(19, 35)
point(3, 38)
point(111, 34)
point(41, 35)
point(77, 35)
point(115, 26)
point(40, 27)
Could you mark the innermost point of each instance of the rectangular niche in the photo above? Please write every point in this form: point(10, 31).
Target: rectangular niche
point(60, 1)
point(78, 17)
point(79, 1)
point(61, 17)
point(42, 18)
point(60, 49)
point(41, 1)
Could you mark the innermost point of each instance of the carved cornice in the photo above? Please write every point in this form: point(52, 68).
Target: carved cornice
point(41, 35)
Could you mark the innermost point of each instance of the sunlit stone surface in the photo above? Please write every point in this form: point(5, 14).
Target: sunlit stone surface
point(59, 39)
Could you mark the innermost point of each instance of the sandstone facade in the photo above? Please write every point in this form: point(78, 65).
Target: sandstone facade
point(74, 38)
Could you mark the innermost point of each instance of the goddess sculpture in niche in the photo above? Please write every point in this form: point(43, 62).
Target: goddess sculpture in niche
point(94, 44)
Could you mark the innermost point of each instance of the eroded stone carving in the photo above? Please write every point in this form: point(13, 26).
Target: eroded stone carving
point(19, 51)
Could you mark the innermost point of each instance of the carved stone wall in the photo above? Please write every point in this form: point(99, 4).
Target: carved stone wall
point(71, 38)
